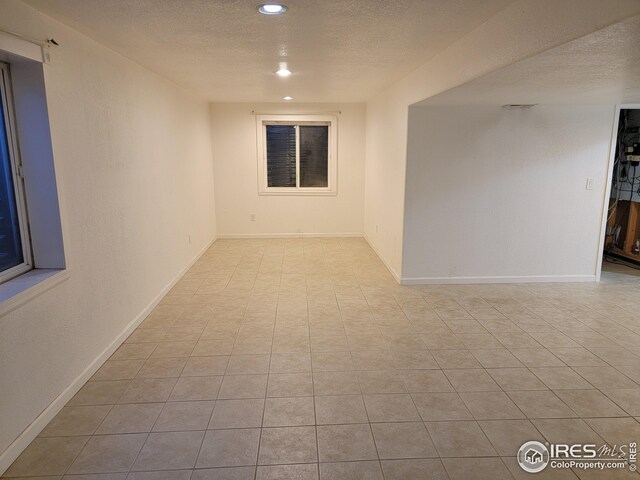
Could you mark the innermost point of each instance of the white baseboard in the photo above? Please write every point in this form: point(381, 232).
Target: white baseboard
point(31, 432)
point(290, 235)
point(393, 273)
point(503, 279)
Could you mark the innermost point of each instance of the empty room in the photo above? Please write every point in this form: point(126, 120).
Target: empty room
point(319, 240)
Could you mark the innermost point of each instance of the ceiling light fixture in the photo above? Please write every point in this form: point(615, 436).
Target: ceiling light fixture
point(287, 98)
point(520, 105)
point(283, 71)
point(272, 9)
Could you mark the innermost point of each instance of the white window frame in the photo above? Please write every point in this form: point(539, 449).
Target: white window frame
point(18, 179)
point(332, 165)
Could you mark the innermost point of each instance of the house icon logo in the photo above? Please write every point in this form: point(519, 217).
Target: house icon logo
point(533, 457)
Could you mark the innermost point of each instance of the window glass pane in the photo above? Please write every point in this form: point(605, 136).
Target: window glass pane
point(281, 156)
point(10, 244)
point(314, 156)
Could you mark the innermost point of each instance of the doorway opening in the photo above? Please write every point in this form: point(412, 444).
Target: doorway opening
point(621, 255)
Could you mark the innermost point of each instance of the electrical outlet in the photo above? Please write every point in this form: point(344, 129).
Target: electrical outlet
point(252, 217)
point(377, 229)
point(589, 185)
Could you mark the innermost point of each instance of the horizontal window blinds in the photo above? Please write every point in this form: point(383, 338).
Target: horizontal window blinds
point(281, 156)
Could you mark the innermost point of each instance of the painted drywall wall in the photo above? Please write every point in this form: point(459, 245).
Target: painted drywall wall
point(133, 163)
point(523, 29)
point(498, 194)
point(236, 181)
point(384, 174)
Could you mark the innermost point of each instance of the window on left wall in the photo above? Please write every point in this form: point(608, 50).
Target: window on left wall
point(15, 247)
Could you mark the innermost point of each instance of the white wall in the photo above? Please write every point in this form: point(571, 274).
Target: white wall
point(524, 28)
point(497, 194)
point(236, 180)
point(133, 162)
point(385, 179)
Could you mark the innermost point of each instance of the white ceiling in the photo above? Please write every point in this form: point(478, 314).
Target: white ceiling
point(599, 68)
point(339, 50)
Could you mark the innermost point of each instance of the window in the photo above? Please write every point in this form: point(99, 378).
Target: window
point(32, 253)
point(15, 251)
point(297, 154)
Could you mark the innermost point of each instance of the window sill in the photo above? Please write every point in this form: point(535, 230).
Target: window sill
point(302, 193)
point(20, 290)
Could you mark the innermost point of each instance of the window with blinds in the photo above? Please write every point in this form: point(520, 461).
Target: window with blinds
point(298, 156)
point(281, 155)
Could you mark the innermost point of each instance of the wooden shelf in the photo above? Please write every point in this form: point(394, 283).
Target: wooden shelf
point(627, 215)
point(621, 254)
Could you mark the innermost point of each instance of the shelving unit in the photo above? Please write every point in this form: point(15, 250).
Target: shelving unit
point(627, 215)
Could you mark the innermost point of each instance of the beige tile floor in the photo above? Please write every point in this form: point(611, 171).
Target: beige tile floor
point(279, 359)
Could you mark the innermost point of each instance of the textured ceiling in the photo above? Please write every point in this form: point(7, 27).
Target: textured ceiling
point(602, 67)
point(339, 50)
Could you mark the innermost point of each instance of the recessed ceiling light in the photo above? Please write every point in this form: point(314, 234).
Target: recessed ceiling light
point(283, 71)
point(272, 9)
point(287, 98)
